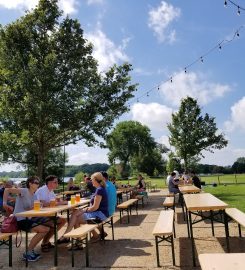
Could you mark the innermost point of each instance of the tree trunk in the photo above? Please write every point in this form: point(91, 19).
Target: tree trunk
point(40, 163)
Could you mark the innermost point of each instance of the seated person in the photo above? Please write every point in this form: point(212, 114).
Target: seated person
point(173, 183)
point(141, 184)
point(71, 185)
point(114, 182)
point(24, 202)
point(196, 180)
point(98, 208)
point(10, 200)
point(89, 186)
point(45, 194)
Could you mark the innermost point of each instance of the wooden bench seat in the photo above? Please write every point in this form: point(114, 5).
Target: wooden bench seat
point(6, 239)
point(169, 203)
point(168, 194)
point(82, 233)
point(163, 231)
point(238, 216)
point(127, 206)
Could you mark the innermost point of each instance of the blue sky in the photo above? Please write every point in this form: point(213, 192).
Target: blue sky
point(160, 39)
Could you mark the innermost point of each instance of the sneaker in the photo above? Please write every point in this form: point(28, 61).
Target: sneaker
point(36, 254)
point(30, 256)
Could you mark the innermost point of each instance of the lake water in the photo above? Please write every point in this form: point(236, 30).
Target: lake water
point(18, 180)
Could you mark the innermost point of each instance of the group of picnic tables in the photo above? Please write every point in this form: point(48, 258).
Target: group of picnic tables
point(207, 206)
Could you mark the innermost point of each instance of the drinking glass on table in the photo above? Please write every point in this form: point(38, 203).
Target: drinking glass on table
point(37, 205)
point(73, 199)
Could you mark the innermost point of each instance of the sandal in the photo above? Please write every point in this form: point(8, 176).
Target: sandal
point(63, 240)
point(76, 246)
point(46, 247)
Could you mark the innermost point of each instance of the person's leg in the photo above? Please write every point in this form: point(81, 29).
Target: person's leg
point(40, 231)
point(60, 223)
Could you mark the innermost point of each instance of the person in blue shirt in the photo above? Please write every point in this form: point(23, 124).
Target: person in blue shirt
point(111, 194)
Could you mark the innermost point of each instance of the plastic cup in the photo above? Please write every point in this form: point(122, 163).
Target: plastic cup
point(78, 197)
point(73, 199)
point(52, 203)
point(37, 205)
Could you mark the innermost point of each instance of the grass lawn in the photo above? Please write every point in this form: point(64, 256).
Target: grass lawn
point(232, 194)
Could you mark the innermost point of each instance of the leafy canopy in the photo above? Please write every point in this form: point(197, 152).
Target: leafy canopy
point(51, 92)
point(191, 133)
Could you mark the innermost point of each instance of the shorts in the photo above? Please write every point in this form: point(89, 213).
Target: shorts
point(94, 215)
point(27, 224)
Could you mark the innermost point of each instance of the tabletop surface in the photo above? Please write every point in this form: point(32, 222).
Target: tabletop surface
point(51, 211)
point(203, 201)
point(222, 261)
point(189, 189)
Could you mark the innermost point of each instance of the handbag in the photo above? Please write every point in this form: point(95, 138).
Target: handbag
point(9, 225)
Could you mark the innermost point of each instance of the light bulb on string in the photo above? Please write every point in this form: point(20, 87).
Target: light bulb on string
point(171, 79)
point(201, 58)
point(238, 11)
point(225, 4)
point(137, 100)
point(147, 94)
point(220, 47)
point(158, 88)
point(237, 34)
point(185, 70)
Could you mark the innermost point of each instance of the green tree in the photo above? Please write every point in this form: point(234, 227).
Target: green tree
point(51, 92)
point(173, 163)
point(191, 133)
point(128, 140)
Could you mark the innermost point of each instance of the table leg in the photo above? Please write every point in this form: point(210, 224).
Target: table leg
point(10, 250)
point(55, 241)
point(226, 231)
point(212, 221)
point(192, 240)
point(26, 243)
point(187, 222)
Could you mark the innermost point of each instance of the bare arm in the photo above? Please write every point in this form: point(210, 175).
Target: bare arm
point(6, 196)
point(95, 206)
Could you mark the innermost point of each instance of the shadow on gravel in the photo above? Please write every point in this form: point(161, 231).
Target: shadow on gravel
point(134, 220)
point(237, 244)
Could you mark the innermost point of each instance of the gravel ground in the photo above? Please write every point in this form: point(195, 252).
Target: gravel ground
point(134, 246)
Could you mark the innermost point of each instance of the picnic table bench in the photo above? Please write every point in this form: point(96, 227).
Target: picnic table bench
point(6, 239)
point(222, 261)
point(127, 206)
point(163, 231)
point(169, 203)
point(82, 233)
point(238, 216)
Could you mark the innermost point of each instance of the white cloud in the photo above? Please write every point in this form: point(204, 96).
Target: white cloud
point(92, 2)
point(105, 51)
point(160, 19)
point(224, 157)
point(164, 140)
point(81, 153)
point(237, 116)
point(194, 85)
point(68, 6)
point(153, 115)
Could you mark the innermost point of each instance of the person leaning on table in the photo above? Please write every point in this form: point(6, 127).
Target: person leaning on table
point(173, 183)
point(45, 194)
point(98, 208)
point(24, 202)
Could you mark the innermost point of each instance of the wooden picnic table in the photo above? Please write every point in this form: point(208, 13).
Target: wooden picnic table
point(189, 189)
point(52, 213)
point(222, 261)
point(195, 204)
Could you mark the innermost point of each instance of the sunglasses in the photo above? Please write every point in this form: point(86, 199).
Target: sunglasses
point(36, 183)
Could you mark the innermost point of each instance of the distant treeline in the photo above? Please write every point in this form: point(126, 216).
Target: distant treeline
point(70, 170)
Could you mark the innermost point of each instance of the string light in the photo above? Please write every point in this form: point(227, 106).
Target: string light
point(238, 11)
point(219, 46)
point(239, 8)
